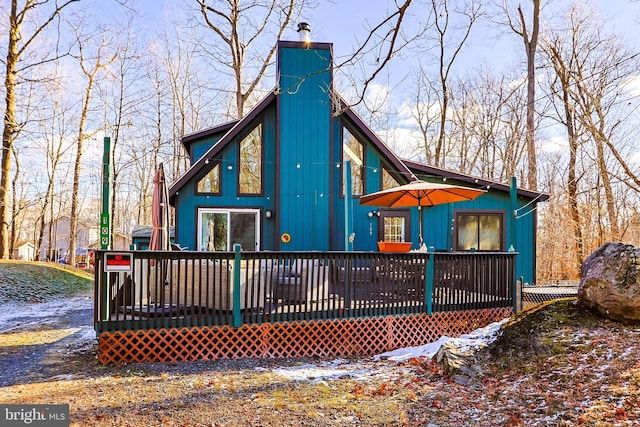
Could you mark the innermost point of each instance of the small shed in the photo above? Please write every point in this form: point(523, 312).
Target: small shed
point(25, 251)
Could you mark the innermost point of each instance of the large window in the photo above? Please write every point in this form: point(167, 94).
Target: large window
point(210, 183)
point(219, 229)
point(250, 162)
point(482, 232)
point(353, 150)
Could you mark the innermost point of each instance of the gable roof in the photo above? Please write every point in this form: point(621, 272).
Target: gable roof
point(395, 161)
point(236, 128)
point(444, 173)
point(224, 127)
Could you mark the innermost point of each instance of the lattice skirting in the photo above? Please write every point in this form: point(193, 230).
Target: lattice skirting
point(325, 338)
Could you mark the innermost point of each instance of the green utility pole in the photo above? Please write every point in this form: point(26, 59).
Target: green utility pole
point(105, 223)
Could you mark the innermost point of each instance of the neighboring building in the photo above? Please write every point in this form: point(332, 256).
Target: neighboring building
point(273, 180)
point(87, 238)
point(25, 251)
point(60, 237)
point(141, 235)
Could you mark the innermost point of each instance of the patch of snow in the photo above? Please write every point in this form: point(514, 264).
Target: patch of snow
point(323, 371)
point(13, 313)
point(340, 368)
point(474, 340)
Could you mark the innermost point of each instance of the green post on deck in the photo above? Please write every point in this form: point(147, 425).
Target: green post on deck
point(428, 295)
point(237, 316)
point(513, 195)
point(105, 223)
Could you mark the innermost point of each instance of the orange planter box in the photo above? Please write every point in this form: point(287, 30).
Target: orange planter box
point(394, 246)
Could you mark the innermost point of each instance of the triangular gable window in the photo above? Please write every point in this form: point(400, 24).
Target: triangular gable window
point(210, 183)
point(388, 181)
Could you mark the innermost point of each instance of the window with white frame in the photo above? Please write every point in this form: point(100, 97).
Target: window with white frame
point(394, 225)
point(220, 229)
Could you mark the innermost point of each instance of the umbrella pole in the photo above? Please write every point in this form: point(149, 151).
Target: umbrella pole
point(420, 238)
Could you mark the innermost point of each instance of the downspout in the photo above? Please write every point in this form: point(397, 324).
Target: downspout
point(517, 284)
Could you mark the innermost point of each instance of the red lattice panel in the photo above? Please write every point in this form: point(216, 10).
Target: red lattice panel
point(325, 338)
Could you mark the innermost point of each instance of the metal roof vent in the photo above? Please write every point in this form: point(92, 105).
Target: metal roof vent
point(304, 30)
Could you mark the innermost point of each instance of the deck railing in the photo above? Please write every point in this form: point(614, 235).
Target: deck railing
point(174, 289)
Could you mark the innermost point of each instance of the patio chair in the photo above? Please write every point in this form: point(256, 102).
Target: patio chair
point(301, 281)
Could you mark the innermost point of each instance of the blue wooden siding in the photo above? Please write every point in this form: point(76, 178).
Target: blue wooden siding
point(188, 201)
point(302, 185)
point(304, 111)
point(198, 148)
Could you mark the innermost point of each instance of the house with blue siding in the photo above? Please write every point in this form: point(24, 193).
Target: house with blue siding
point(288, 175)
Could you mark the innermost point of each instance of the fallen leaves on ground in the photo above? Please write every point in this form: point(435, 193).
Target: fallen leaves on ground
point(579, 370)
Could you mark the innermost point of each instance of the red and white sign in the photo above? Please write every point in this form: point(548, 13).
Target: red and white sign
point(118, 261)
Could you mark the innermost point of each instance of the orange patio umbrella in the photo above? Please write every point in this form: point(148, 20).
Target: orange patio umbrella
point(420, 193)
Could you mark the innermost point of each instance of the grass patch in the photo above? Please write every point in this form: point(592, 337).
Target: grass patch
point(22, 281)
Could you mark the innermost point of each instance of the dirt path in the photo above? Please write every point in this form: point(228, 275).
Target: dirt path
point(43, 341)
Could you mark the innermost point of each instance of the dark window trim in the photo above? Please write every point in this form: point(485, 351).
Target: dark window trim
point(496, 212)
point(239, 139)
point(363, 141)
point(390, 213)
point(212, 165)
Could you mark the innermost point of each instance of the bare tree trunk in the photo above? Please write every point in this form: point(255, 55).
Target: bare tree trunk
point(236, 37)
point(14, 205)
point(563, 74)
point(441, 16)
point(530, 46)
point(90, 73)
point(11, 128)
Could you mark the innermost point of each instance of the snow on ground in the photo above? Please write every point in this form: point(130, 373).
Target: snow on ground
point(14, 316)
point(340, 368)
point(18, 316)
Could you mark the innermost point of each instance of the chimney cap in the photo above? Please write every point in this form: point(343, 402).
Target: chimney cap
point(304, 26)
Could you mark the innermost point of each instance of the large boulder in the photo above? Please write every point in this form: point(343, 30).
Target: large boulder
point(610, 283)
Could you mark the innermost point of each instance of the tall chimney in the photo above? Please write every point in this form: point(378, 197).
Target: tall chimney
point(304, 30)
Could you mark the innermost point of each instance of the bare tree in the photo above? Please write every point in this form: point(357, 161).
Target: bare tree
point(239, 28)
point(22, 38)
point(530, 41)
point(91, 61)
point(442, 20)
point(562, 65)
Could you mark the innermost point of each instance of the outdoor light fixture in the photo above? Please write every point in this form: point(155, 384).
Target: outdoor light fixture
point(371, 214)
point(230, 167)
point(267, 214)
point(206, 161)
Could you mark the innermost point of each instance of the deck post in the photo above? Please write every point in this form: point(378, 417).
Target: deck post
point(428, 294)
point(237, 316)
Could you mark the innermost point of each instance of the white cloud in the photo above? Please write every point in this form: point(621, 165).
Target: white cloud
point(554, 144)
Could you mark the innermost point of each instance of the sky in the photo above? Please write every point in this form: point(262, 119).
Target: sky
point(346, 22)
